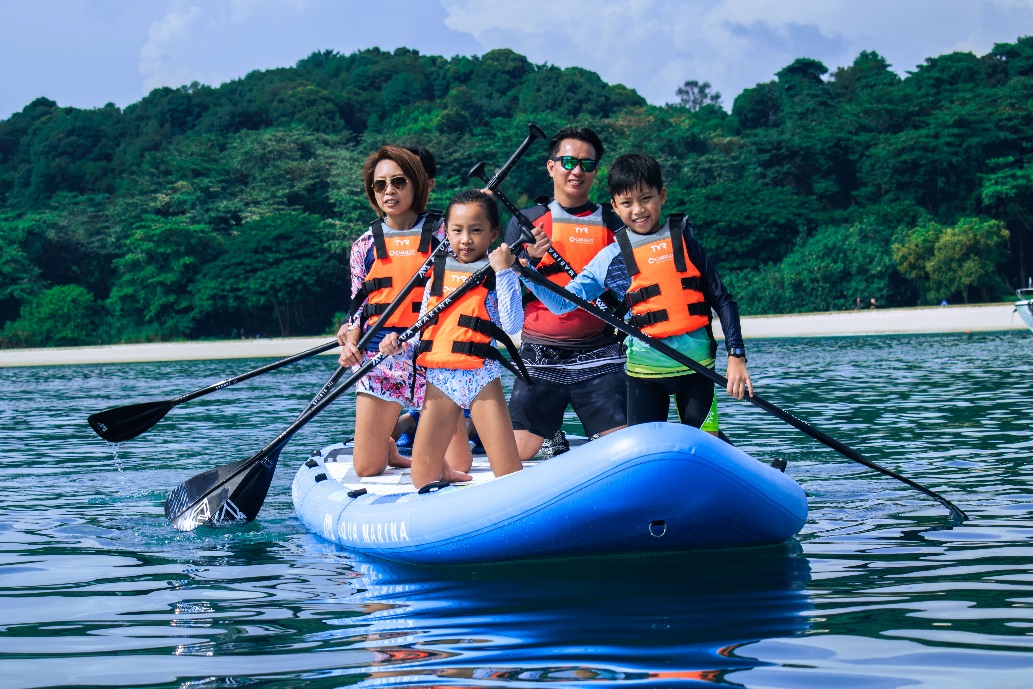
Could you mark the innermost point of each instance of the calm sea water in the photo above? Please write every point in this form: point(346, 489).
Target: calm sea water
point(97, 590)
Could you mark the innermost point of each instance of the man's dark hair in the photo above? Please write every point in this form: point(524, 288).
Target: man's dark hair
point(430, 163)
point(634, 170)
point(579, 133)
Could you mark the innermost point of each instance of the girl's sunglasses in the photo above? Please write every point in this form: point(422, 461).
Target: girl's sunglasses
point(570, 162)
point(398, 183)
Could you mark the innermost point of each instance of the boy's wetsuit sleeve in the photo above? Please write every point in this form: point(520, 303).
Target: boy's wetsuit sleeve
point(716, 295)
point(589, 284)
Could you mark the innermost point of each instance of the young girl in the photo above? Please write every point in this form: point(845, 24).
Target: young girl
point(463, 368)
point(383, 260)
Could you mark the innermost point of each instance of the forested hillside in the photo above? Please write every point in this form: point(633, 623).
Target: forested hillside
point(201, 211)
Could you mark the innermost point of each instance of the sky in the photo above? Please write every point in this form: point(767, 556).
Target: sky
point(86, 53)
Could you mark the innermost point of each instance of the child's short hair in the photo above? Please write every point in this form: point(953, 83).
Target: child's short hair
point(579, 134)
point(486, 201)
point(634, 170)
point(412, 168)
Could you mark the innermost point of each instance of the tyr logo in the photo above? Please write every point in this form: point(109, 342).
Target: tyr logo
point(659, 246)
point(581, 230)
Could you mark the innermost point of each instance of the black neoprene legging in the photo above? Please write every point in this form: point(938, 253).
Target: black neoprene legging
point(650, 398)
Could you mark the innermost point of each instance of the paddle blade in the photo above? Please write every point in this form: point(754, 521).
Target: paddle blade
point(124, 423)
point(227, 494)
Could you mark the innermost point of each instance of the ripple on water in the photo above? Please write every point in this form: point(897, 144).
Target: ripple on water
point(875, 592)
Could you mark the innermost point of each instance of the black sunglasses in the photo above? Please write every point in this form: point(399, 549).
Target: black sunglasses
point(380, 185)
point(570, 162)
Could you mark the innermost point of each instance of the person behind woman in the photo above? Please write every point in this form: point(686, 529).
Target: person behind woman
point(463, 367)
point(382, 261)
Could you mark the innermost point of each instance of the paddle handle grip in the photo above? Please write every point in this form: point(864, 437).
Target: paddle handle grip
point(534, 133)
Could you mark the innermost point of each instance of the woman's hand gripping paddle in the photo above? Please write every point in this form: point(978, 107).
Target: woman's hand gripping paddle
point(957, 516)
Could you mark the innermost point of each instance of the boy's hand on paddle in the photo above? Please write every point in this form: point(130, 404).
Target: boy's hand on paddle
point(542, 244)
point(739, 383)
point(389, 345)
point(502, 258)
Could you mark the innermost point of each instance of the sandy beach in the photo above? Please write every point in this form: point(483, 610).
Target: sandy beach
point(932, 319)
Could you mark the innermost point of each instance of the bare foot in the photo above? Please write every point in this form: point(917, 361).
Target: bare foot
point(452, 476)
point(395, 459)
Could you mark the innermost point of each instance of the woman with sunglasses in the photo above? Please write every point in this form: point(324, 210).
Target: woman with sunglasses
point(383, 260)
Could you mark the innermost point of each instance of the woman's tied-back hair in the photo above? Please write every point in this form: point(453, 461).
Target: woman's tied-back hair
point(578, 134)
point(485, 201)
point(634, 170)
point(412, 168)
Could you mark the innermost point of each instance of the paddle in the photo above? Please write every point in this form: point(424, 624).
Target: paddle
point(236, 491)
point(956, 514)
point(119, 424)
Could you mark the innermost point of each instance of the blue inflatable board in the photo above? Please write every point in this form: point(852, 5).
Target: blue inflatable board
point(652, 488)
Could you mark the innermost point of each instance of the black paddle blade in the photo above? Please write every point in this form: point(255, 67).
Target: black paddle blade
point(124, 423)
point(228, 494)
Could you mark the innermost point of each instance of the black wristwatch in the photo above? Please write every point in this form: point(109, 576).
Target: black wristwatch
point(739, 352)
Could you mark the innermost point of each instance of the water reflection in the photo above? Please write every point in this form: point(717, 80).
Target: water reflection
point(654, 620)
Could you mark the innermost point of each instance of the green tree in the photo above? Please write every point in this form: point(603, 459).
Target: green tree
point(163, 258)
point(827, 271)
point(276, 270)
point(694, 95)
point(61, 316)
point(947, 261)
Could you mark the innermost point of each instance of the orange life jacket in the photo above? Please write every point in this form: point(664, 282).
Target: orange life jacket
point(398, 254)
point(576, 239)
point(666, 293)
point(460, 337)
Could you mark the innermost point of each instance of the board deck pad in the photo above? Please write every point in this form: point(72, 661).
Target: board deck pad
point(338, 462)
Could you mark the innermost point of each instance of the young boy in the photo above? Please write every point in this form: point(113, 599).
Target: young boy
point(670, 284)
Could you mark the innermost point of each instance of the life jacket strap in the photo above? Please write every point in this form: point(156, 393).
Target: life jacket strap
point(431, 222)
point(699, 309)
point(693, 283)
point(365, 290)
point(640, 295)
point(627, 252)
point(379, 243)
point(676, 223)
point(641, 320)
point(370, 310)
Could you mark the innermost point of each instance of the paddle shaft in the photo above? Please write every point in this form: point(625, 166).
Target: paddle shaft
point(271, 452)
point(325, 347)
point(372, 331)
point(717, 378)
point(478, 172)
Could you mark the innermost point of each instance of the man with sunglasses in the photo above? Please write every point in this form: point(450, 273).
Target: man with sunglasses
point(573, 359)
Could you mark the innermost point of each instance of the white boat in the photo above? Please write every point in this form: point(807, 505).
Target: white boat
point(1025, 306)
